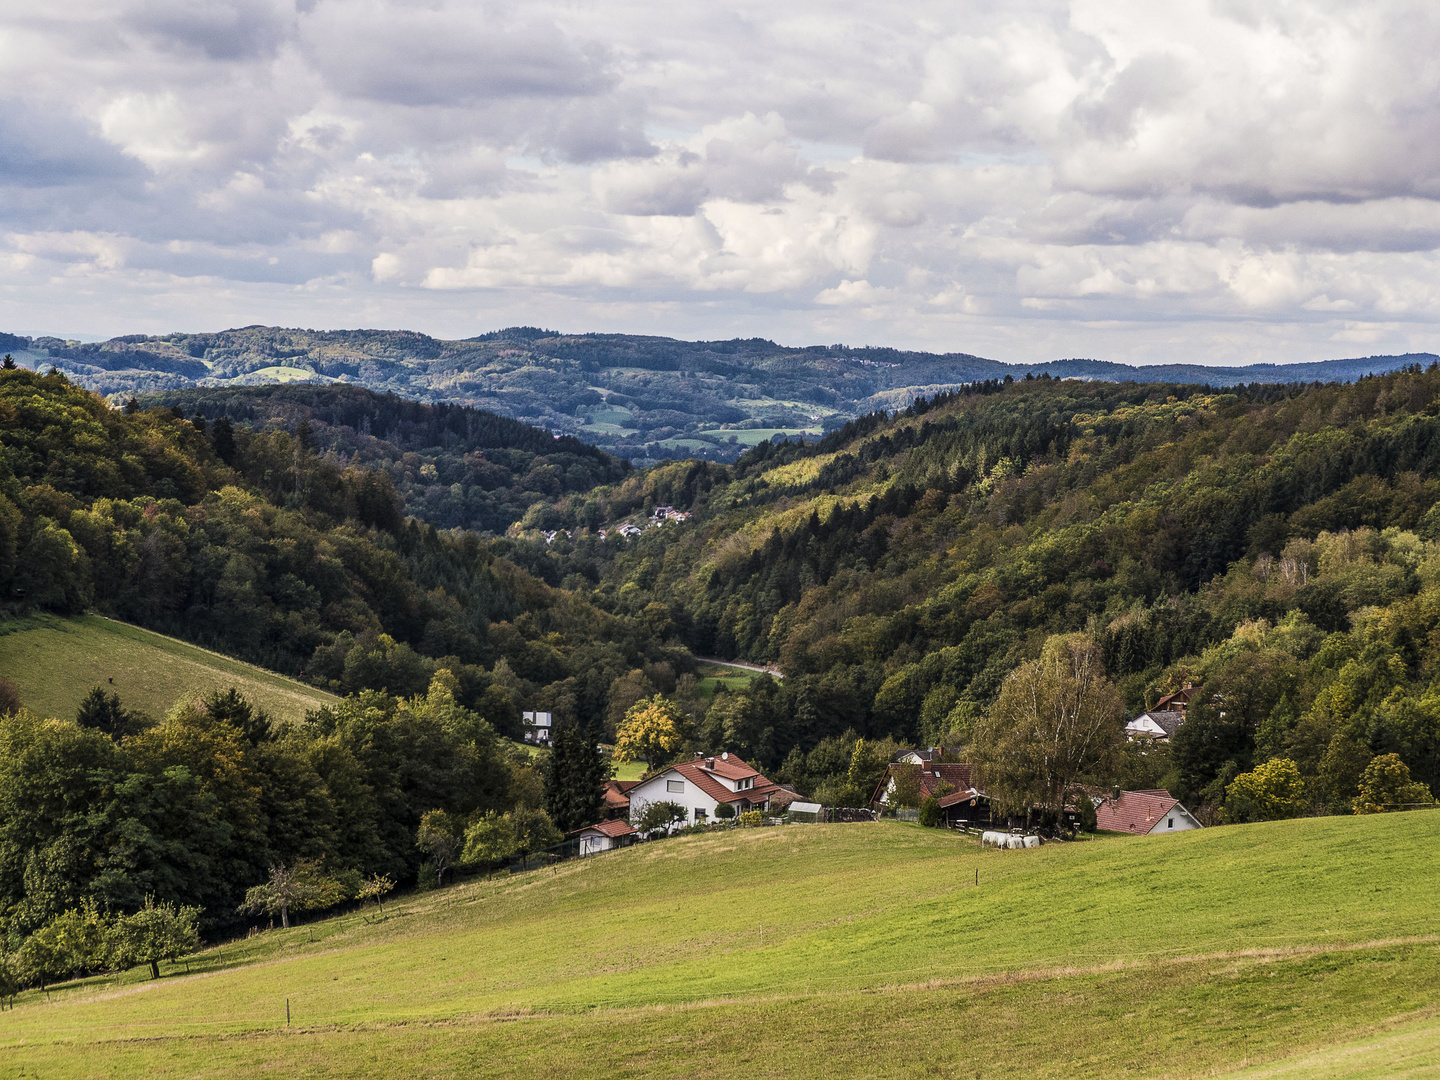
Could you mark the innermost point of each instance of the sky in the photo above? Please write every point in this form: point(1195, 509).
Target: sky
point(1229, 181)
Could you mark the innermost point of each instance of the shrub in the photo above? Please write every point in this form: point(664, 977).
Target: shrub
point(751, 818)
point(725, 810)
point(1268, 792)
point(1386, 786)
point(930, 812)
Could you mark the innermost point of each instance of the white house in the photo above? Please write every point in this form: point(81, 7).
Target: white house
point(605, 836)
point(702, 785)
point(1143, 813)
point(1157, 724)
point(537, 727)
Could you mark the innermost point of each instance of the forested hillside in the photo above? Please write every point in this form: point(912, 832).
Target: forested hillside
point(454, 466)
point(252, 543)
point(1276, 544)
point(640, 397)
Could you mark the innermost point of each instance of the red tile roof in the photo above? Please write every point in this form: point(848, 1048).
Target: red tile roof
point(610, 828)
point(615, 797)
point(1134, 811)
point(728, 766)
point(696, 772)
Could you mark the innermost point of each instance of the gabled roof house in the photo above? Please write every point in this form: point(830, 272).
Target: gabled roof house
point(1157, 724)
point(1143, 813)
point(605, 836)
point(703, 784)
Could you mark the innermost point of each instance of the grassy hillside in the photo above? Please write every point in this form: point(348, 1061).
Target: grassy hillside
point(863, 950)
point(56, 661)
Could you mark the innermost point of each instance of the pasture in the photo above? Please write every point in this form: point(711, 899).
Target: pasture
point(56, 662)
point(710, 677)
point(1298, 948)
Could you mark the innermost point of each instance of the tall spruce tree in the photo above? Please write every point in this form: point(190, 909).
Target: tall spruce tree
point(575, 775)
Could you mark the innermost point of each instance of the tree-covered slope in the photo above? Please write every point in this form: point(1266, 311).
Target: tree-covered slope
point(1276, 543)
point(454, 466)
point(252, 543)
point(641, 397)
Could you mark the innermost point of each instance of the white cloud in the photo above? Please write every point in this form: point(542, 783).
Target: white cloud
point(1204, 178)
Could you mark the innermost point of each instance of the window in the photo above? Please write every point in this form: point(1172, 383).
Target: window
point(675, 785)
point(700, 814)
point(1170, 823)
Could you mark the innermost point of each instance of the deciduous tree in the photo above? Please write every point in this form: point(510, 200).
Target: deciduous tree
point(1056, 721)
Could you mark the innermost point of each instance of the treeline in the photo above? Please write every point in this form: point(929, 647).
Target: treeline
point(453, 466)
point(194, 809)
point(252, 543)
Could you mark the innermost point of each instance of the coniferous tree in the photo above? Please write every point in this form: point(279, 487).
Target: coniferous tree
point(105, 713)
point(575, 775)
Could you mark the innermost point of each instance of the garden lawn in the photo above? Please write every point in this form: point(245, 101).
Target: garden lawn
point(56, 662)
point(828, 951)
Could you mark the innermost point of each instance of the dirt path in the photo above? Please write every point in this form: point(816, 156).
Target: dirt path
point(741, 665)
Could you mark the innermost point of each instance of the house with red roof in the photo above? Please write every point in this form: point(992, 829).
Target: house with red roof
point(1143, 813)
point(702, 784)
point(616, 800)
point(605, 836)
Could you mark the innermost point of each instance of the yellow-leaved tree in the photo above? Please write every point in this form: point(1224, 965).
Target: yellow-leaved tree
point(650, 732)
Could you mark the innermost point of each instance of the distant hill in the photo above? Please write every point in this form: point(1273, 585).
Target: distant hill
point(644, 398)
point(454, 465)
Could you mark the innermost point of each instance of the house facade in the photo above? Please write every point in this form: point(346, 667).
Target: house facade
point(605, 836)
point(1157, 724)
point(537, 727)
point(1143, 813)
point(702, 784)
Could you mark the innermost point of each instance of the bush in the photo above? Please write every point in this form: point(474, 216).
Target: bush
point(660, 817)
point(725, 810)
point(1386, 786)
point(1268, 792)
point(751, 818)
point(930, 812)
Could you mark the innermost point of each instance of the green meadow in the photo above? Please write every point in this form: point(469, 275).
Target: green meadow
point(711, 677)
point(1291, 949)
point(56, 662)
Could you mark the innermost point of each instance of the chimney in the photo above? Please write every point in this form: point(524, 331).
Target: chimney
point(709, 763)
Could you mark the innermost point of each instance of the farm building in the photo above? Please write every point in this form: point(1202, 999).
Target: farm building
point(605, 836)
point(1143, 813)
point(703, 784)
point(1180, 700)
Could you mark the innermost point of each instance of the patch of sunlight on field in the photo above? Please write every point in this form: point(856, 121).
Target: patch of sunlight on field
point(56, 662)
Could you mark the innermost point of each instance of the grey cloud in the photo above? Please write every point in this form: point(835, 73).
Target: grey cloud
point(45, 148)
point(427, 58)
point(219, 29)
point(1008, 170)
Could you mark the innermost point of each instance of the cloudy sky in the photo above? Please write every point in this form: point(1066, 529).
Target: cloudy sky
point(1224, 181)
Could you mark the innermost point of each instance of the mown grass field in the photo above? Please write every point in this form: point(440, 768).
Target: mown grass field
point(1293, 949)
point(56, 662)
point(710, 677)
